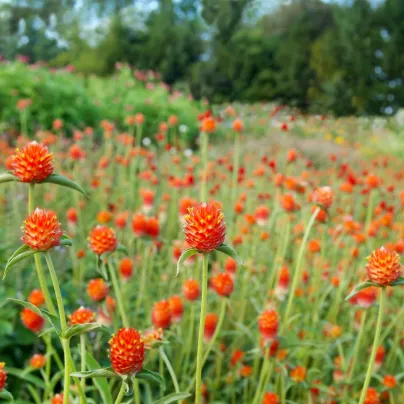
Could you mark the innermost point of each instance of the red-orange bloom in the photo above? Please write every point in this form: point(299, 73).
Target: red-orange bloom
point(223, 284)
point(36, 297)
point(205, 228)
point(210, 325)
point(97, 289)
point(177, 307)
point(3, 376)
point(268, 323)
point(372, 396)
point(42, 230)
point(126, 351)
point(33, 163)
point(190, 289)
point(161, 314)
point(82, 316)
point(58, 398)
point(323, 196)
point(37, 361)
point(126, 267)
point(389, 381)
point(384, 266)
point(298, 374)
point(270, 398)
point(102, 239)
point(31, 320)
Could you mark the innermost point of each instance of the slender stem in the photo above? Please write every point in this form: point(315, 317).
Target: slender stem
point(265, 365)
point(136, 391)
point(83, 358)
point(296, 276)
point(66, 387)
point(120, 394)
point(375, 346)
point(204, 155)
point(199, 358)
point(118, 295)
point(170, 369)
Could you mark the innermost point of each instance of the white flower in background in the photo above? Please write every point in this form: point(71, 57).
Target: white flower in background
point(183, 128)
point(146, 141)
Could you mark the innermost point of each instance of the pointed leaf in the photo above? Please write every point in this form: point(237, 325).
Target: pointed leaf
point(121, 248)
point(101, 268)
point(20, 250)
point(360, 287)
point(6, 395)
point(185, 255)
point(153, 377)
point(7, 177)
point(43, 313)
point(397, 282)
point(80, 329)
point(100, 382)
point(17, 258)
point(91, 374)
point(64, 182)
point(66, 240)
point(171, 398)
point(26, 376)
point(226, 249)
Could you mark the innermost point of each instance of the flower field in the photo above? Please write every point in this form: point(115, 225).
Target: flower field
point(253, 259)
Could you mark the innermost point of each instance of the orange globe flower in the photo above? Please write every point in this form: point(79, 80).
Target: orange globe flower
point(298, 374)
point(58, 398)
point(223, 284)
point(323, 196)
point(3, 376)
point(191, 290)
point(37, 361)
point(268, 323)
point(205, 228)
point(384, 266)
point(372, 396)
point(161, 314)
point(36, 298)
point(31, 320)
point(208, 125)
point(389, 381)
point(126, 268)
point(211, 320)
point(126, 351)
point(102, 239)
point(33, 163)
point(42, 230)
point(270, 398)
point(97, 289)
point(176, 307)
point(82, 316)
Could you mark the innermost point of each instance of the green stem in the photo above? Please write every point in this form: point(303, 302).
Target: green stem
point(121, 394)
point(170, 369)
point(296, 276)
point(265, 365)
point(375, 346)
point(236, 164)
point(83, 358)
point(204, 156)
point(198, 375)
point(118, 295)
point(136, 392)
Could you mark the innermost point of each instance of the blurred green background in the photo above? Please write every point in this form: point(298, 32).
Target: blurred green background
point(344, 57)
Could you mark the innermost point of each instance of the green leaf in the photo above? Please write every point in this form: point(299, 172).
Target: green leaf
point(6, 395)
point(91, 374)
point(100, 382)
point(80, 329)
point(121, 248)
point(226, 249)
point(360, 287)
point(66, 240)
point(26, 376)
point(54, 320)
point(17, 258)
point(171, 398)
point(184, 256)
point(64, 182)
point(397, 282)
point(153, 377)
point(7, 177)
point(101, 267)
point(20, 250)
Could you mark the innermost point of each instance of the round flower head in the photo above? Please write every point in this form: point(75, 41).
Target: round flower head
point(36, 297)
point(177, 307)
point(126, 351)
point(37, 361)
point(3, 376)
point(31, 320)
point(268, 323)
point(372, 396)
point(384, 266)
point(323, 196)
point(33, 163)
point(57, 399)
point(161, 314)
point(102, 239)
point(270, 398)
point(211, 320)
point(82, 316)
point(97, 289)
point(223, 284)
point(42, 230)
point(205, 228)
point(298, 374)
point(190, 289)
